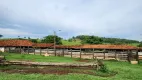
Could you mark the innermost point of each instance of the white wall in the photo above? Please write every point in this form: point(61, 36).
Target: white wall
point(140, 53)
point(2, 49)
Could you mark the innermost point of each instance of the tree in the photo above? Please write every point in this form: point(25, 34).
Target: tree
point(140, 45)
point(70, 40)
point(18, 37)
point(74, 39)
point(50, 39)
point(29, 38)
point(86, 39)
point(34, 40)
point(1, 35)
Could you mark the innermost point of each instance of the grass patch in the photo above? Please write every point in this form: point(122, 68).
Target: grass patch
point(37, 58)
point(124, 70)
point(66, 42)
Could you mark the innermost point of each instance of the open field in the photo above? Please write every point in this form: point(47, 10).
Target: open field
point(125, 70)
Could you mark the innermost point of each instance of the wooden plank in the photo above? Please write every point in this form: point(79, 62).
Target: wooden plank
point(74, 50)
point(50, 64)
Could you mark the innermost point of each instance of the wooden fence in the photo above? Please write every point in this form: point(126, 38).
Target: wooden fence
point(77, 53)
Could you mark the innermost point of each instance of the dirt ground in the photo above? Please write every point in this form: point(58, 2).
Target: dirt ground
point(47, 70)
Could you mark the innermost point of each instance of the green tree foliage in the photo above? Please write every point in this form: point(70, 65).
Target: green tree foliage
point(29, 38)
point(18, 37)
point(118, 41)
point(70, 40)
point(140, 45)
point(1, 35)
point(50, 39)
point(34, 40)
point(86, 39)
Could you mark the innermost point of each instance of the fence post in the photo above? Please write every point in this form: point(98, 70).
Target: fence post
point(28, 49)
point(47, 50)
point(115, 55)
point(93, 53)
point(128, 55)
point(34, 50)
point(80, 53)
point(40, 51)
point(71, 53)
point(63, 52)
point(137, 56)
point(55, 52)
point(4, 49)
point(20, 50)
point(8, 49)
point(104, 53)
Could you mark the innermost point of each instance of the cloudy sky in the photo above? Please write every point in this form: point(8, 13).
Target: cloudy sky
point(38, 18)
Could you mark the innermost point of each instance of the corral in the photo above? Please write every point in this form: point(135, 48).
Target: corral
point(116, 52)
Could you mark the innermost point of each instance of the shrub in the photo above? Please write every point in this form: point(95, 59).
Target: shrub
point(101, 66)
point(104, 69)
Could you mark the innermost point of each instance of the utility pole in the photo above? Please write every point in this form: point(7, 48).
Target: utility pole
point(55, 43)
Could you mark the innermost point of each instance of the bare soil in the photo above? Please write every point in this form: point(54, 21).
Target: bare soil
point(48, 70)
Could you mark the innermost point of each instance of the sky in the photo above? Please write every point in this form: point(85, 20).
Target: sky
point(39, 18)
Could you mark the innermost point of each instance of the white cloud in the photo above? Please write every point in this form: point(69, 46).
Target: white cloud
point(7, 31)
point(120, 18)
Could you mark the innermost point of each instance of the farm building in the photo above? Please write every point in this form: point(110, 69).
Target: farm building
point(11, 45)
point(101, 51)
point(20, 45)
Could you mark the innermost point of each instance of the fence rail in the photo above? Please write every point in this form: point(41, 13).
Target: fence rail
point(77, 53)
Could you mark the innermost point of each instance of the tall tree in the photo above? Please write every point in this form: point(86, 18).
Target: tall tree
point(50, 39)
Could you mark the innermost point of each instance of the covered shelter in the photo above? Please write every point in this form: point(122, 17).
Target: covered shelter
point(13, 45)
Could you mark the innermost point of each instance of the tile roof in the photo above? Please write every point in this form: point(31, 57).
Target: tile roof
point(108, 46)
point(43, 45)
point(140, 48)
point(100, 46)
point(14, 43)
